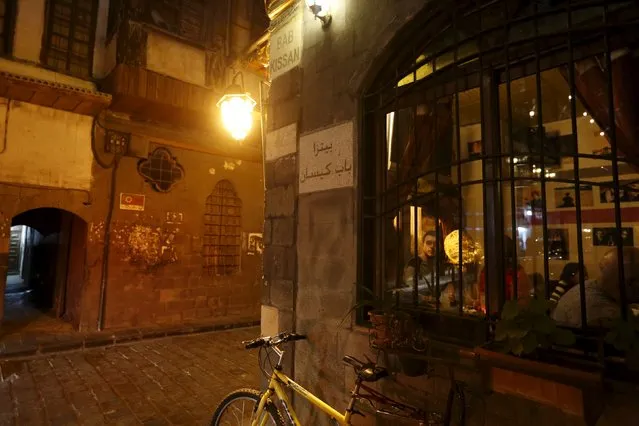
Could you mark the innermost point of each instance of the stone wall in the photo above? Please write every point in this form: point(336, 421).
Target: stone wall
point(315, 295)
point(156, 273)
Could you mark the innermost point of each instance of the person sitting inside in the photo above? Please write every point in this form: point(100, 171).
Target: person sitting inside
point(568, 279)
point(603, 295)
point(424, 266)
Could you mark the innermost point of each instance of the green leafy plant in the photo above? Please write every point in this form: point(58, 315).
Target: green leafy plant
point(624, 336)
point(525, 327)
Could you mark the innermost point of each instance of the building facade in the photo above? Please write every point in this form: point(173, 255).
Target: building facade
point(123, 202)
point(448, 157)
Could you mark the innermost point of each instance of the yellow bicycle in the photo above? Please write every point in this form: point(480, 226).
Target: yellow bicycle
point(255, 408)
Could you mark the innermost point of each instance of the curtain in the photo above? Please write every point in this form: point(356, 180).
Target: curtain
point(591, 86)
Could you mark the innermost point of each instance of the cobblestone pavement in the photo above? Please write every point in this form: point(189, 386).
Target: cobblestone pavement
point(173, 381)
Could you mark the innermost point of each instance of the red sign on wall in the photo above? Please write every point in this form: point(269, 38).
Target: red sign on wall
point(132, 202)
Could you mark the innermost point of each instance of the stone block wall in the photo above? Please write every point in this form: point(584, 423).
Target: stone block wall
point(326, 89)
point(175, 290)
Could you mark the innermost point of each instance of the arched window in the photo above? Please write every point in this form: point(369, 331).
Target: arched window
point(505, 153)
point(222, 242)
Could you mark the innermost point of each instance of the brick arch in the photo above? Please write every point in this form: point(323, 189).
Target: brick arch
point(68, 253)
point(222, 236)
point(74, 202)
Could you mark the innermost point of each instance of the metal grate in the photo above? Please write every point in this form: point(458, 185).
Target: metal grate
point(185, 18)
point(223, 230)
point(70, 35)
point(485, 122)
point(161, 170)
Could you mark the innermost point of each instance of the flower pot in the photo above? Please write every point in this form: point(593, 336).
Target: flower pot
point(573, 391)
point(379, 334)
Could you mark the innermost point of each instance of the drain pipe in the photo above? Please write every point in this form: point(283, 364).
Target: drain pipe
point(107, 242)
point(113, 165)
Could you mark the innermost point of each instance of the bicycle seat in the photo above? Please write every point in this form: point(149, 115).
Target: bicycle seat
point(367, 372)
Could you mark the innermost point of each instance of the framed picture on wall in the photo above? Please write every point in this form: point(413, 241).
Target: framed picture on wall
point(558, 244)
point(607, 237)
point(628, 192)
point(474, 149)
point(565, 197)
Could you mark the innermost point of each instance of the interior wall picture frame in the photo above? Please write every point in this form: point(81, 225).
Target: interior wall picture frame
point(558, 243)
point(474, 149)
point(608, 237)
point(565, 196)
point(628, 192)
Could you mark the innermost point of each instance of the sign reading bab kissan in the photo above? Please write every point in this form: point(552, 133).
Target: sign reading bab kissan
point(286, 46)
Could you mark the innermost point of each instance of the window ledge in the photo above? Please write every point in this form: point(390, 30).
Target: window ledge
point(36, 72)
point(571, 390)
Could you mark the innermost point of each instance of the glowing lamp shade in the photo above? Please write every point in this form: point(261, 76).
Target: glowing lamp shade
point(471, 252)
point(237, 112)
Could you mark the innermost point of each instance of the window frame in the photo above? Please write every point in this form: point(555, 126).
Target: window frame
point(9, 28)
point(377, 102)
point(48, 35)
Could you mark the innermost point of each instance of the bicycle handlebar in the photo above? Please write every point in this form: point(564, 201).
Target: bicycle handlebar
point(276, 340)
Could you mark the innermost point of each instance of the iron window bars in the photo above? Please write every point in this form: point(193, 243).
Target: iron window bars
point(488, 47)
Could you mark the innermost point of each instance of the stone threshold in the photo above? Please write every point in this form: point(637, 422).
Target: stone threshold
point(14, 348)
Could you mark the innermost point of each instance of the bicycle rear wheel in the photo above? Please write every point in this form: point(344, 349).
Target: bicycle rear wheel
point(236, 409)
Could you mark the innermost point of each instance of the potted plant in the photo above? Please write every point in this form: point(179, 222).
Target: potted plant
point(392, 329)
point(624, 336)
point(513, 361)
point(525, 328)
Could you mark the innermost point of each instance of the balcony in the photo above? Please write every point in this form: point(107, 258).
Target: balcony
point(149, 96)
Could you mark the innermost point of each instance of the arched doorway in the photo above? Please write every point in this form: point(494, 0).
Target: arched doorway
point(45, 271)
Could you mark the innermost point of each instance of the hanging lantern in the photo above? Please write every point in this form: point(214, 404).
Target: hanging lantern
point(237, 107)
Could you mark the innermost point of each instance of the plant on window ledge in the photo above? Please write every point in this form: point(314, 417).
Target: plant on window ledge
point(526, 327)
point(391, 327)
point(624, 336)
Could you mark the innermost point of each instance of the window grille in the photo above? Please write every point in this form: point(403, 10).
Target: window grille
point(503, 149)
point(223, 230)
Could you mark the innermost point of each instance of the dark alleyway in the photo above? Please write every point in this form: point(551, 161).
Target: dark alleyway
point(161, 382)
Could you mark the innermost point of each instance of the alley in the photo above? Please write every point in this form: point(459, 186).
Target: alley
point(160, 382)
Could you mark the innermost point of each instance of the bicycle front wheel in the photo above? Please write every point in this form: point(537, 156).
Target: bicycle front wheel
point(236, 409)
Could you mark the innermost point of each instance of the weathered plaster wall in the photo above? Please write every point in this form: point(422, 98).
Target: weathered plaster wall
point(60, 142)
point(29, 29)
point(167, 56)
point(317, 231)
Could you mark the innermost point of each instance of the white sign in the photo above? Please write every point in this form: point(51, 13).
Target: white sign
point(326, 159)
point(286, 47)
point(281, 142)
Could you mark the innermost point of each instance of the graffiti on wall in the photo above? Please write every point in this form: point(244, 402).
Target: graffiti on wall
point(147, 246)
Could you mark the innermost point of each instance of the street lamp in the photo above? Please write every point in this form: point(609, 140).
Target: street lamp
point(237, 109)
point(321, 10)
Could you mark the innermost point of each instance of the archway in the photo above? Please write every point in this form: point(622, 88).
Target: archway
point(45, 271)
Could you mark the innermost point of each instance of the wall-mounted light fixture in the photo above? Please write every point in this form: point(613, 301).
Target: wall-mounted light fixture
point(237, 109)
point(321, 10)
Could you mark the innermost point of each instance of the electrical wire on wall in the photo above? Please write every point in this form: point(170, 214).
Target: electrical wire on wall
point(6, 127)
point(104, 276)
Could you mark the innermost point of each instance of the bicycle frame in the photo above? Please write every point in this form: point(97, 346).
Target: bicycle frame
point(276, 386)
